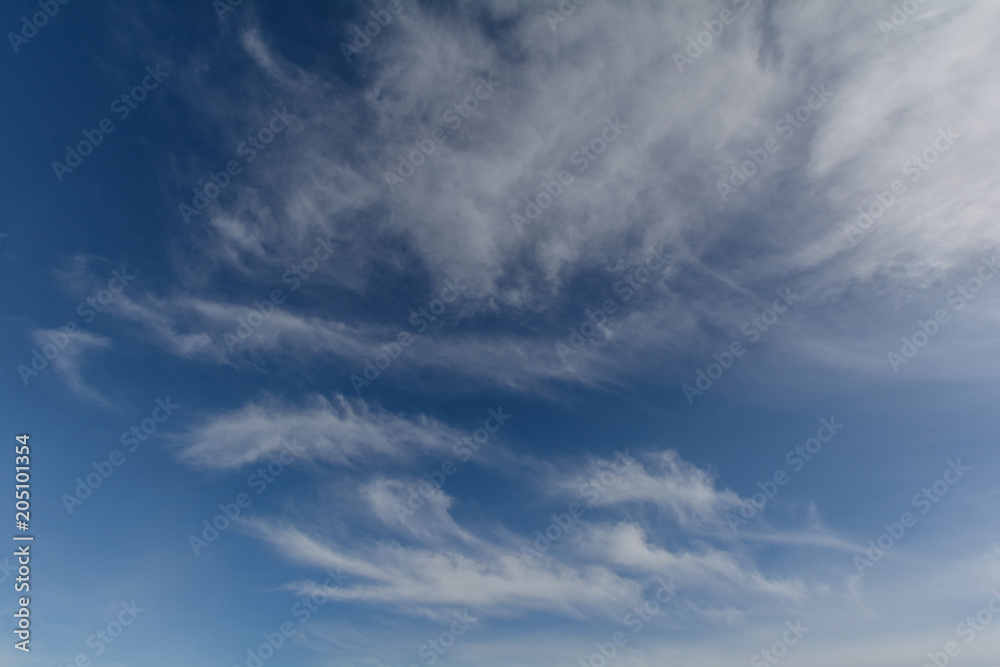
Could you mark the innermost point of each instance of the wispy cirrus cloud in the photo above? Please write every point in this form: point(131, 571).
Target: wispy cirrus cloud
point(656, 184)
point(494, 579)
point(339, 431)
point(687, 493)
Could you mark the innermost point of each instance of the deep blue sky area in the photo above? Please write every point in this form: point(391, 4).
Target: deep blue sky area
point(411, 333)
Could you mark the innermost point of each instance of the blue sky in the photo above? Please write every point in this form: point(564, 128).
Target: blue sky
point(506, 333)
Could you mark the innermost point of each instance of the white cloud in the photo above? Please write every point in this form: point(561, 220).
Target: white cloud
point(340, 431)
point(709, 570)
point(496, 579)
point(656, 183)
point(680, 488)
point(430, 523)
point(70, 360)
